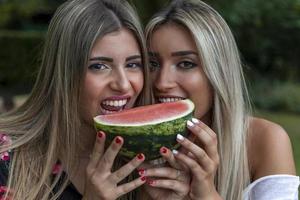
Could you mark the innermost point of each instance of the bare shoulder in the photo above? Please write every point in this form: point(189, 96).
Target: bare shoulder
point(269, 149)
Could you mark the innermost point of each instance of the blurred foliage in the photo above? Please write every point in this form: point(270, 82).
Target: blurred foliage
point(267, 33)
point(275, 95)
point(18, 58)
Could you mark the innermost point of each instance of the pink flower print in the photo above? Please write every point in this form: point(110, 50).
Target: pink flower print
point(4, 156)
point(56, 168)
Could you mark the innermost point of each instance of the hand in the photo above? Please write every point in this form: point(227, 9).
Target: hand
point(202, 160)
point(170, 182)
point(101, 183)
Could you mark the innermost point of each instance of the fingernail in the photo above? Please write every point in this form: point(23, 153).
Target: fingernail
point(141, 172)
point(150, 182)
point(180, 137)
point(175, 152)
point(163, 150)
point(190, 124)
point(196, 121)
point(118, 140)
point(143, 178)
point(140, 156)
point(100, 134)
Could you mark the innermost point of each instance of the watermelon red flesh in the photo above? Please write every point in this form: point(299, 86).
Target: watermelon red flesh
point(145, 114)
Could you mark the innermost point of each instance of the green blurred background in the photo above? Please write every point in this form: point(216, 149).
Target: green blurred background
point(267, 33)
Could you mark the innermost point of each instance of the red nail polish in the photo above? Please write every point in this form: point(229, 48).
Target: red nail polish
point(150, 182)
point(141, 172)
point(163, 150)
point(140, 156)
point(143, 178)
point(100, 134)
point(118, 140)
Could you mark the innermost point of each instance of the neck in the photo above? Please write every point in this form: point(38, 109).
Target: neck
point(87, 138)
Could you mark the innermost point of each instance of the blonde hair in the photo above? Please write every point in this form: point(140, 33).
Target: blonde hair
point(47, 126)
point(221, 63)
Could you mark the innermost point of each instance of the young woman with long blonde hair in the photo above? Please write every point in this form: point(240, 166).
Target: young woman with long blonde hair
point(229, 154)
point(93, 63)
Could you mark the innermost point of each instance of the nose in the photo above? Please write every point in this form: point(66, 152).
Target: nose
point(120, 81)
point(165, 79)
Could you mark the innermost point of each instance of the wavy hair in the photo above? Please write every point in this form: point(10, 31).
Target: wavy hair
point(46, 127)
point(221, 63)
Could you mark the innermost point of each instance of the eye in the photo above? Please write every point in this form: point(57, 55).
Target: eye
point(134, 65)
point(98, 66)
point(153, 65)
point(186, 65)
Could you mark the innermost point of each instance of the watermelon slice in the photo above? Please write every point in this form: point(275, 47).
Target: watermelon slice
point(147, 128)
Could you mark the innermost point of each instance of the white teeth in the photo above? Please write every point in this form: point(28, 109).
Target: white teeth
point(115, 103)
point(164, 100)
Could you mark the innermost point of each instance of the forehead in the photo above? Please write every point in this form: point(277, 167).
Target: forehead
point(122, 40)
point(172, 37)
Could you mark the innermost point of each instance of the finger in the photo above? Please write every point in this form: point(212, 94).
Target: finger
point(169, 157)
point(180, 188)
point(124, 171)
point(98, 150)
point(127, 187)
point(209, 141)
point(162, 172)
point(109, 156)
point(201, 157)
point(193, 165)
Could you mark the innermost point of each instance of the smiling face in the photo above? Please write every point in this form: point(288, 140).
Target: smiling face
point(114, 75)
point(176, 69)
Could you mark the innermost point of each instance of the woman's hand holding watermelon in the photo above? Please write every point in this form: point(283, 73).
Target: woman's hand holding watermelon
point(202, 160)
point(101, 183)
point(170, 182)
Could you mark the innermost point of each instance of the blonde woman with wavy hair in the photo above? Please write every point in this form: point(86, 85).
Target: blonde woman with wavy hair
point(229, 154)
point(93, 63)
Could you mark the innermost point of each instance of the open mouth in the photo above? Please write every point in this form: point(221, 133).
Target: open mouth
point(168, 99)
point(112, 106)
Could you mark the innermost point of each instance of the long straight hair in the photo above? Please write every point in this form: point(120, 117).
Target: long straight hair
point(46, 127)
point(221, 64)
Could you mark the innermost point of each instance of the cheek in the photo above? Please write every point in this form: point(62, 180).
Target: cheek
point(137, 82)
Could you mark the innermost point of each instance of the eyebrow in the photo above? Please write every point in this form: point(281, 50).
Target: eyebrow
point(133, 57)
point(107, 59)
point(102, 58)
point(183, 53)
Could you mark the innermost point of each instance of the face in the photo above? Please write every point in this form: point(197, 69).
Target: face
point(176, 69)
point(114, 76)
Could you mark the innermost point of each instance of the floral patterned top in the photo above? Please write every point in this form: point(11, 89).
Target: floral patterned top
point(69, 193)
